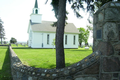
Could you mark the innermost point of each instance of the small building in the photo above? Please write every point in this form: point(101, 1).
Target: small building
point(42, 34)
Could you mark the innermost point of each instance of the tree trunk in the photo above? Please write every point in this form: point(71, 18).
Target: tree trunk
point(60, 59)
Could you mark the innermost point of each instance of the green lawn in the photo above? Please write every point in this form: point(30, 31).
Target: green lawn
point(4, 63)
point(46, 58)
point(19, 45)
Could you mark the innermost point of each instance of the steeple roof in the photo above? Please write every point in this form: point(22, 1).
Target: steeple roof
point(36, 4)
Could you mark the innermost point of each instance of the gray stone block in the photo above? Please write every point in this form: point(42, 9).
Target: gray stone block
point(24, 77)
point(115, 4)
point(79, 78)
point(86, 78)
point(107, 29)
point(101, 16)
point(111, 64)
point(106, 76)
point(30, 78)
point(106, 48)
point(112, 14)
point(117, 47)
point(90, 78)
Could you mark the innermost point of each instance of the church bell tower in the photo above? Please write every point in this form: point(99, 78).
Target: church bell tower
point(36, 17)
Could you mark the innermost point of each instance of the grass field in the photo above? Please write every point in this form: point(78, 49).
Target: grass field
point(4, 63)
point(19, 45)
point(46, 58)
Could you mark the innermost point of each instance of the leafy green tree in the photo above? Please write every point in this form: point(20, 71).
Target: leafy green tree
point(83, 35)
point(13, 40)
point(2, 32)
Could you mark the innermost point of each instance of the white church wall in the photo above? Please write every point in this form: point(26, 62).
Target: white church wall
point(30, 36)
point(51, 37)
point(37, 40)
point(70, 40)
point(36, 18)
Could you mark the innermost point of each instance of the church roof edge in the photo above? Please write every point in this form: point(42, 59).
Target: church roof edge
point(46, 27)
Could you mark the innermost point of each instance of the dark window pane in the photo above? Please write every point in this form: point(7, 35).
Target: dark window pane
point(74, 40)
point(48, 39)
point(99, 35)
point(65, 39)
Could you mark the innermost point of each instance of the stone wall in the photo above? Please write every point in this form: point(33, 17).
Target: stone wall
point(106, 34)
point(87, 69)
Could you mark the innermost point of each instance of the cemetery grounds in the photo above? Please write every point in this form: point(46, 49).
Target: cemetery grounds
point(46, 58)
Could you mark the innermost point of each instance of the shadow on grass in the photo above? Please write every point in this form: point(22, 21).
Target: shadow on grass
point(68, 64)
point(80, 50)
point(5, 73)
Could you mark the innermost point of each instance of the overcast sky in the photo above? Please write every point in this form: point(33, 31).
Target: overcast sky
point(16, 14)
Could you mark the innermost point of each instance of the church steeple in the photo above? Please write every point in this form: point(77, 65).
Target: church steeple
point(36, 4)
point(36, 9)
point(36, 17)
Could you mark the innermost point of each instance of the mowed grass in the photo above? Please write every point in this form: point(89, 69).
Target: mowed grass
point(4, 63)
point(46, 58)
point(19, 45)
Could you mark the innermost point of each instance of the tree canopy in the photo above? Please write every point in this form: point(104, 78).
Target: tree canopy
point(2, 32)
point(13, 40)
point(83, 35)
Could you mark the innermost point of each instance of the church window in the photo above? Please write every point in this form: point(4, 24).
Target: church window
point(36, 11)
point(74, 40)
point(65, 39)
point(48, 38)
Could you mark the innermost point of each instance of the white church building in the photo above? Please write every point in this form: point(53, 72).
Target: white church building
point(41, 33)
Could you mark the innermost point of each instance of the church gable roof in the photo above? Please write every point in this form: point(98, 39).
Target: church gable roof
point(45, 26)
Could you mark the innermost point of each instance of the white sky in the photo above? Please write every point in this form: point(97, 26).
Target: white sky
point(16, 14)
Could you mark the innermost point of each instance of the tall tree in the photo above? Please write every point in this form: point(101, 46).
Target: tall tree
point(2, 32)
point(59, 7)
point(83, 35)
point(60, 58)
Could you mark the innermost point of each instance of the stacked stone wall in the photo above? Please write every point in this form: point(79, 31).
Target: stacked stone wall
point(87, 69)
point(106, 36)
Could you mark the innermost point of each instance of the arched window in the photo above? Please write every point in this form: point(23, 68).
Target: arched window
point(36, 11)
